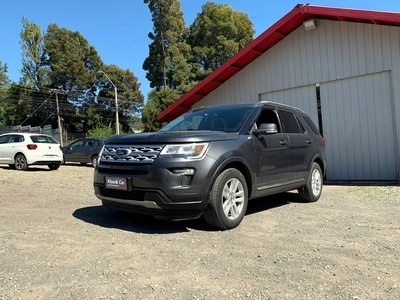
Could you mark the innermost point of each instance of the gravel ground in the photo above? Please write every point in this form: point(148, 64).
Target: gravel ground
point(58, 242)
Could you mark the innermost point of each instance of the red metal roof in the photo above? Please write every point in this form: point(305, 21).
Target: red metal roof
point(265, 41)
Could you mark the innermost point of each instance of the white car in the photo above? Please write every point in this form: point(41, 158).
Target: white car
point(20, 150)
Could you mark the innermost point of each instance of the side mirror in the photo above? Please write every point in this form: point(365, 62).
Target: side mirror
point(266, 128)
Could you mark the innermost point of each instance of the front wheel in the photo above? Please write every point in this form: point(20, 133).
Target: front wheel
point(228, 200)
point(313, 188)
point(20, 162)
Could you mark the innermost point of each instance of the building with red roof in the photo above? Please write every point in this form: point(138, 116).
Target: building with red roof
point(341, 66)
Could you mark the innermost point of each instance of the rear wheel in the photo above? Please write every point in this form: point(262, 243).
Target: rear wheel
point(20, 162)
point(228, 200)
point(313, 188)
point(53, 166)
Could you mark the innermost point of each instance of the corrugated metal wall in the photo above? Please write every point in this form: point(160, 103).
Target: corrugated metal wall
point(360, 131)
point(334, 51)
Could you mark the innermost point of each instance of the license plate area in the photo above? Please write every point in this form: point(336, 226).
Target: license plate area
point(116, 183)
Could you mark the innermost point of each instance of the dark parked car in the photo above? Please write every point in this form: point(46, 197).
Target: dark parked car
point(211, 161)
point(83, 151)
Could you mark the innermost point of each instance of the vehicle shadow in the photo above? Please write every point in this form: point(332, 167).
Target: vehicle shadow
point(79, 165)
point(41, 168)
point(271, 202)
point(98, 215)
point(30, 169)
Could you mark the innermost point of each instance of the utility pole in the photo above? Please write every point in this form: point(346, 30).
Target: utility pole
point(116, 103)
point(56, 91)
point(59, 120)
point(116, 111)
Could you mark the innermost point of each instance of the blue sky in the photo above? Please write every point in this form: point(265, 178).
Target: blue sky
point(118, 29)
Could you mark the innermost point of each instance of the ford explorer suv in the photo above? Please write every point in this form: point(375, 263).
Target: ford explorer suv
point(211, 161)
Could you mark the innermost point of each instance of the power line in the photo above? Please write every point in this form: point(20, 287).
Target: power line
point(35, 110)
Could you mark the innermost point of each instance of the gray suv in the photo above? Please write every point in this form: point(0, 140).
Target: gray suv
point(211, 161)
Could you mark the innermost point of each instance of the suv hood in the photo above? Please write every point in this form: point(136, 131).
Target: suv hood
point(172, 137)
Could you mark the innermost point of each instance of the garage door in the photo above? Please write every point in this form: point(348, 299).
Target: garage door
point(358, 125)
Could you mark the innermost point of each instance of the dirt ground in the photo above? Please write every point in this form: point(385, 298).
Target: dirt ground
point(58, 242)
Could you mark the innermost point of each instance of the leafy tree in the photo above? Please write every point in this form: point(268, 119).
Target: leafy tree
point(72, 62)
point(13, 110)
point(4, 80)
point(167, 64)
point(32, 44)
point(4, 88)
point(157, 100)
point(101, 132)
point(130, 98)
point(72, 66)
point(31, 93)
point(217, 34)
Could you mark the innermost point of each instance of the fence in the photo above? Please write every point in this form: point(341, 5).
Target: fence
point(67, 137)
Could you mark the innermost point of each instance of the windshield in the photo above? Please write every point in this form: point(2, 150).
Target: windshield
point(214, 118)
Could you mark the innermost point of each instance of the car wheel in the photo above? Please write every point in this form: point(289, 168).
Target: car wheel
point(94, 161)
point(228, 200)
point(20, 162)
point(63, 161)
point(313, 188)
point(53, 166)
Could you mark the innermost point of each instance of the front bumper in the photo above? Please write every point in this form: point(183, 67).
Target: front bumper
point(157, 189)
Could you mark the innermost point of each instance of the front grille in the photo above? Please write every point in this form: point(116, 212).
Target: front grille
point(130, 154)
point(129, 195)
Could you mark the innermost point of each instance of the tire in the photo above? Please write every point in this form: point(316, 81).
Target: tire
point(20, 162)
point(228, 200)
point(53, 166)
point(94, 161)
point(313, 188)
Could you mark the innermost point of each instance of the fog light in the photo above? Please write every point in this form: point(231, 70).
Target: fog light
point(183, 171)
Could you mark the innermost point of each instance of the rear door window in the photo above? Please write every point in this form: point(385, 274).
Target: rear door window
point(16, 138)
point(290, 123)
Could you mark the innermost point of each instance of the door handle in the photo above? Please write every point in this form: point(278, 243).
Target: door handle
point(283, 142)
point(308, 141)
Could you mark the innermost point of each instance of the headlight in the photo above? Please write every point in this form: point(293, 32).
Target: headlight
point(191, 151)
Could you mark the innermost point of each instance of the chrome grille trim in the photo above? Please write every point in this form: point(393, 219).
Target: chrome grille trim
point(134, 153)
